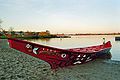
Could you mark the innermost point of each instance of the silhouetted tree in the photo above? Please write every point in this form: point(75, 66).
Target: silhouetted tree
point(3, 31)
point(11, 30)
point(47, 31)
point(21, 33)
point(0, 25)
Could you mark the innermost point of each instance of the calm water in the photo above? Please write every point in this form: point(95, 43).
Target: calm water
point(82, 41)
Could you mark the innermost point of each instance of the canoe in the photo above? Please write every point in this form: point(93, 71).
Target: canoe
point(59, 57)
point(117, 38)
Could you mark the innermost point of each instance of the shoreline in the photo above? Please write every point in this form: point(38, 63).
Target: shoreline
point(17, 65)
point(36, 37)
point(54, 36)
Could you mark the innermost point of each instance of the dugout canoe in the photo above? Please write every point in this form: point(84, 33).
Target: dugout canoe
point(59, 57)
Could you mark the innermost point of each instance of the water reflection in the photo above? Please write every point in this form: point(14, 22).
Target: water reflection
point(42, 40)
point(45, 39)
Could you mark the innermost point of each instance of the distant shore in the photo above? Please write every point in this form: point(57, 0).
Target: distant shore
point(55, 36)
point(37, 37)
point(30, 37)
point(90, 34)
point(15, 65)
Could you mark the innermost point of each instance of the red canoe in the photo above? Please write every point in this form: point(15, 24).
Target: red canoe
point(59, 57)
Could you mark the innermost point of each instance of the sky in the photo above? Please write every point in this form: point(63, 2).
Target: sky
point(61, 16)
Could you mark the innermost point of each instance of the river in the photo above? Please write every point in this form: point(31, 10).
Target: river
point(82, 41)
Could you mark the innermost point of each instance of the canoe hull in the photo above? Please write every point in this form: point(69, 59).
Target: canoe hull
point(54, 56)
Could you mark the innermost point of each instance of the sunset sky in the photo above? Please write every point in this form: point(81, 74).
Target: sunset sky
point(61, 16)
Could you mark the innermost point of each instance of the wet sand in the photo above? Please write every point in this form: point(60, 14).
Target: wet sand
point(15, 65)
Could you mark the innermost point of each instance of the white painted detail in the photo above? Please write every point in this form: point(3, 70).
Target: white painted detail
point(27, 46)
point(88, 58)
point(78, 62)
point(43, 49)
point(78, 55)
point(63, 55)
point(84, 56)
point(34, 50)
point(77, 58)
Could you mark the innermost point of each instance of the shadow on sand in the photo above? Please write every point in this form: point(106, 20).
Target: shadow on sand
point(105, 56)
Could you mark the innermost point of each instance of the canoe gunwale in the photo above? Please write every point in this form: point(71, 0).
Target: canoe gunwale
point(64, 50)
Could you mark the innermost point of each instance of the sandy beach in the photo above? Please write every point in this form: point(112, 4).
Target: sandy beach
point(15, 65)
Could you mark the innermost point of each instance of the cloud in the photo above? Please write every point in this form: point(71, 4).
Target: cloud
point(17, 5)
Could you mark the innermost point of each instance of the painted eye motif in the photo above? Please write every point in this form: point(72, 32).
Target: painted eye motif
point(63, 55)
point(28, 46)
